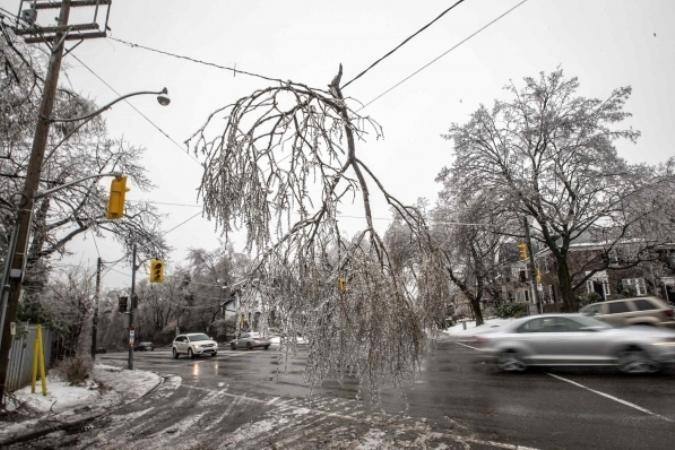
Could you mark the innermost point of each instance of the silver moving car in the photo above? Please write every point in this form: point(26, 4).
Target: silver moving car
point(193, 344)
point(576, 340)
point(250, 341)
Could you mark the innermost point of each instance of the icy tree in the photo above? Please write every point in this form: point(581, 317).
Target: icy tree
point(280, 168)
point(550, 153)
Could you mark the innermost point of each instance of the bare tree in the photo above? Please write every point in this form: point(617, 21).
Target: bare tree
point(281, 167)
point(550, 153)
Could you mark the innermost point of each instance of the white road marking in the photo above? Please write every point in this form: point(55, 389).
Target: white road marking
point(595, 391)
point(611, 397)
point(467, 346)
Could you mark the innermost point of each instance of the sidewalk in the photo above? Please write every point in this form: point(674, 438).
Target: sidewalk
point(65, 406)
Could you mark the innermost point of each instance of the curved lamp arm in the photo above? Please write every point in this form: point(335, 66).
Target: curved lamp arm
point(161, 97)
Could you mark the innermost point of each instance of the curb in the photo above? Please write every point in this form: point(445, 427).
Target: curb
point(71, 419)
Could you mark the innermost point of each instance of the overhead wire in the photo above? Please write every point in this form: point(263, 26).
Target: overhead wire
point(405, 41)
point(234, 69)
point(434, 60)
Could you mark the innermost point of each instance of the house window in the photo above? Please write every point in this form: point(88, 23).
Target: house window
point(636, 285)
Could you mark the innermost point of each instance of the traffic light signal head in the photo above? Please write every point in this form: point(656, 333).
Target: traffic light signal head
point(118, 190)
point(342, 284)
point(122, 305)
point(156, 271)
point(522, 251)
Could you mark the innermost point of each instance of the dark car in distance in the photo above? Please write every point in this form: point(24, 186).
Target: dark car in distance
point(144, 346)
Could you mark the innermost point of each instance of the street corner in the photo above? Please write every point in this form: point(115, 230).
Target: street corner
point(330, 423)
point(32, 415)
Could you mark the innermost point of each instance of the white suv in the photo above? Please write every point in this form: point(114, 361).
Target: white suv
point(194, 344)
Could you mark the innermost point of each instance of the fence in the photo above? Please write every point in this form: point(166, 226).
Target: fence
point(21, 355)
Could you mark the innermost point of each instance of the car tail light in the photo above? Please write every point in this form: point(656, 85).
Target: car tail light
point(668, 312)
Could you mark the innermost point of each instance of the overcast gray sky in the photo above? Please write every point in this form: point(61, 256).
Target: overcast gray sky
point(606, 43)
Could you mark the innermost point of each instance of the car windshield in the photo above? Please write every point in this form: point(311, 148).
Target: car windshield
point(199, 337)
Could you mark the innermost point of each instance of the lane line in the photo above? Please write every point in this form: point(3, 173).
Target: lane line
point(467, 346)
point(610, 397)
point(595, 391)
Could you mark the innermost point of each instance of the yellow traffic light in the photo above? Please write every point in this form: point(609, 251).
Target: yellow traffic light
point(522, 251)
point(342, 284)
point(118, 190)
point(156, 271)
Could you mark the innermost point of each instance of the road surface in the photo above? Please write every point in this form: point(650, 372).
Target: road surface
point(258, 399)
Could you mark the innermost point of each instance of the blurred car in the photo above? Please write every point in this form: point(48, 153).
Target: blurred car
point(250, 341)
point(144, 346)
point(193, 345)
point(632, 311)
point(576, 340)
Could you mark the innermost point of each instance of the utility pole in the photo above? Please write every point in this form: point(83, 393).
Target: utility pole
point(23, 222)
point(131, 307)
point(97, 293)
point(531, 267)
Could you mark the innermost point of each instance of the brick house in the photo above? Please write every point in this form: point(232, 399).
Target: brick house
point(624, 278)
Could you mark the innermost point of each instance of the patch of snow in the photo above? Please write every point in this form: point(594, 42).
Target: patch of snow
point(372, 440)
point(60, 395)
point(472, 329)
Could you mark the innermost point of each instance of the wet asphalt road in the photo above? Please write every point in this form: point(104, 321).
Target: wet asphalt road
point(259, 398)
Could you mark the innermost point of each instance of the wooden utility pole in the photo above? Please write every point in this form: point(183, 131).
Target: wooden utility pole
point(23, 222)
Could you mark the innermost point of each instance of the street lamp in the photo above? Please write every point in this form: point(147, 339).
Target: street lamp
point(10, 291)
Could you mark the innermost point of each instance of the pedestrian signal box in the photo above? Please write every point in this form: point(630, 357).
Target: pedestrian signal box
point(156, 271)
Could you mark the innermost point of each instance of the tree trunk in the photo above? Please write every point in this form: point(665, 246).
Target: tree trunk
point(477, 311)
point(570, 303)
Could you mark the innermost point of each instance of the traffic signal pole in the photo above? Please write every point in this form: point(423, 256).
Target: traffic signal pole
point(23, 222)
point(131, 308)
point(97, 294)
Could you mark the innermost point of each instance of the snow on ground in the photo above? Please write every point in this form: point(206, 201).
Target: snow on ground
point(60, 395)
point(110, 386)
point(276, 340)
point(472, 329)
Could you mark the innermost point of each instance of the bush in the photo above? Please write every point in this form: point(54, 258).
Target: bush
point(506, 310)
point(587, 299)
point(75, 370)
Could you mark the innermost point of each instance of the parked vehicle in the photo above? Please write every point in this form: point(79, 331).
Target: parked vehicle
point(193, 345)
point(250, 341)
point(633, 311)
point(144, 346)
point(576, 340)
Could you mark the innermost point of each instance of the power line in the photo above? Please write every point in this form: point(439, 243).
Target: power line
point(147, 119)
point(182, 223)
point(385, 92)
point(405, 41)
point(234, 69)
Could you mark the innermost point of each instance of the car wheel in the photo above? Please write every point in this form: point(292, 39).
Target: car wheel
point(232, 346)
point(267, 346)
point(215, 354)
point(510, 361)
point(249, 346)
point(190, 354)
point(636, 361)
point(175, 353)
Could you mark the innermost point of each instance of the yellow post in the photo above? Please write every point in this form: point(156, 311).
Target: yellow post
point(41, 360)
